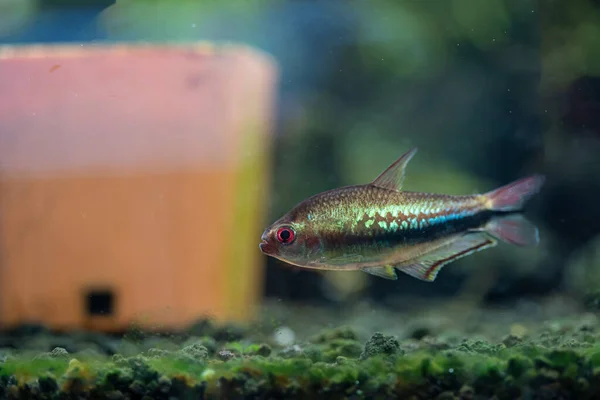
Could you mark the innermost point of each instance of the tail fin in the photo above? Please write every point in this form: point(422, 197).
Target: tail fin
point(513, 196)
point(513, 229)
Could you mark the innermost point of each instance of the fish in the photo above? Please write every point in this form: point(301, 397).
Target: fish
point(380, 229)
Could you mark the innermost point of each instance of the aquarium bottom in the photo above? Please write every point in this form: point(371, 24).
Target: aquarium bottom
point(540, 350)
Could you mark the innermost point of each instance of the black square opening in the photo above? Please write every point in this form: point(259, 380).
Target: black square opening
point(100, 302)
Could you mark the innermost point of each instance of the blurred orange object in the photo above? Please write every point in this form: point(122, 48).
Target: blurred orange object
point(132, 183)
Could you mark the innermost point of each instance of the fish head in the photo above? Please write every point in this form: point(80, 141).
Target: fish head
point(291, 239)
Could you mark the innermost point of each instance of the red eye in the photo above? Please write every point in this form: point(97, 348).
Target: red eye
point(286, 235)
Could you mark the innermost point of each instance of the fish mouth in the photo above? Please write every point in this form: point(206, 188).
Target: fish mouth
point(266, 248)
point(264, 245)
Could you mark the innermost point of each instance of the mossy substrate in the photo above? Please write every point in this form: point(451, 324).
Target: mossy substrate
point(560, 359)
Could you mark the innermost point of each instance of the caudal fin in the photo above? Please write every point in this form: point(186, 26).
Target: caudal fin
point(512, 197)
point(513, 229)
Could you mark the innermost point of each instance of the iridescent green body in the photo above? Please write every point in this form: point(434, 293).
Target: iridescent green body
point(379, 228)
point(366, 225)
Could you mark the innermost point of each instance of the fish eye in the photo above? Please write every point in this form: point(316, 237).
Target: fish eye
point(286, 235)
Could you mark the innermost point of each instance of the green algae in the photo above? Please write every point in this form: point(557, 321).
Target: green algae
point(261, 349)
point(557, 359)
point(330, 364)
point(25, 368)
point(380, 344)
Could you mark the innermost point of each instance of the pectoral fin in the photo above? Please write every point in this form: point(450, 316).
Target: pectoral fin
point(343, 260)
point(427, 266)
point(387, 272)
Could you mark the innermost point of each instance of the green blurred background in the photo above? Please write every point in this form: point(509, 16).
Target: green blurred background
point(488, 90)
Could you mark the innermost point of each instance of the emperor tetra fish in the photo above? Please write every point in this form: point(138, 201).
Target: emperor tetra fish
point(379, 228)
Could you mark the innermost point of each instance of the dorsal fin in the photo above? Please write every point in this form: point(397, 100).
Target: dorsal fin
point(393, 177)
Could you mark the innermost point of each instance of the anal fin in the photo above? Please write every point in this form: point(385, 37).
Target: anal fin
point(427, 266)
point(386, 272)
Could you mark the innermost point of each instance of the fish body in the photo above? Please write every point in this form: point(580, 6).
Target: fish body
point(379, 229)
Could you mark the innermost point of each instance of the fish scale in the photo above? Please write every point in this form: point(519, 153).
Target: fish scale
point(361, 211)
point(379, 228)
point(376, 221)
